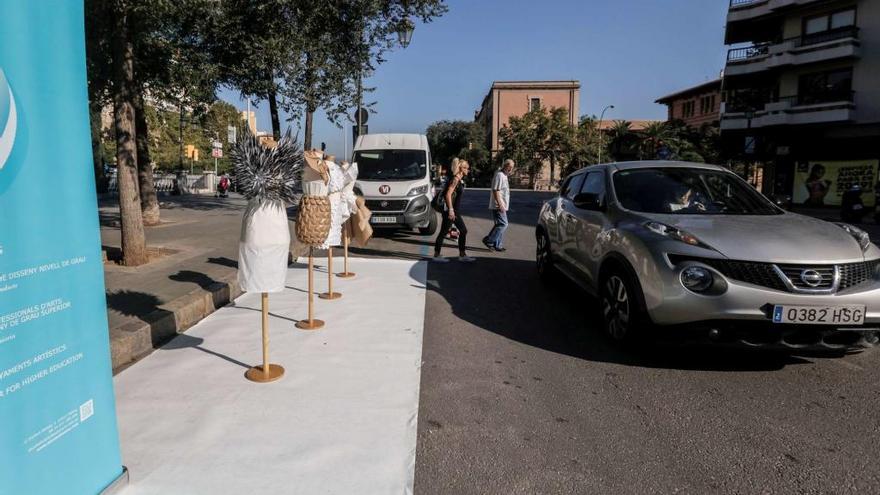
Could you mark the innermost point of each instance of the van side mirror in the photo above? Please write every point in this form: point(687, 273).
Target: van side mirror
point(588, 201)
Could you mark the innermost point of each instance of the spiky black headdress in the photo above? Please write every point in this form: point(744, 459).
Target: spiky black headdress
point(268, 173)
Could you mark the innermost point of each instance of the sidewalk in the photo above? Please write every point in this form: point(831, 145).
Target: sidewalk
point(149, 304)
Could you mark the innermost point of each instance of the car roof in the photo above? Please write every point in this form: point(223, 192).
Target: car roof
point(662, 164)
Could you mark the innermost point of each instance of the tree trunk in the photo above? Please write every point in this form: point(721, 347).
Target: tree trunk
point(97, 147)
point(552, 181)
point(134, 245)
point(273, 111)
point(307, 134)
point(149, 200)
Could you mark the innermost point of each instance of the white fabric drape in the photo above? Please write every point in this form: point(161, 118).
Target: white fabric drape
point(264, 246)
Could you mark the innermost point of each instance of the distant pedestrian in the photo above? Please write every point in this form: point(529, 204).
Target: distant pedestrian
point(223, 186)
point(499, 203)
point(452, 195)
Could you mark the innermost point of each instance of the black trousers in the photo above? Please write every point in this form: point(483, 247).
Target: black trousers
point(444, 229)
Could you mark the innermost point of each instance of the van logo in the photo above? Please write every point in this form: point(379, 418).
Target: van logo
point(385, 189)
point(384, 204)
point(8, 120)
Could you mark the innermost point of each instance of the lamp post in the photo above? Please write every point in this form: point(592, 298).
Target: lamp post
point(404, 37)
point(601, 116)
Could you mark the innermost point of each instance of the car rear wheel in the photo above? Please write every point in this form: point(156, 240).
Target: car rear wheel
point(543, 256)
point(621, 312)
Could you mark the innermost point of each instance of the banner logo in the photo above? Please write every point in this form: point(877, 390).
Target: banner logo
point(8, 120)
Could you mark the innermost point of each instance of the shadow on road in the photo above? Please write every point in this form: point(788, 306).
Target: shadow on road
point(504, 296)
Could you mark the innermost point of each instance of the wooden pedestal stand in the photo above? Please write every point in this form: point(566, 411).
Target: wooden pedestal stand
point(345, 273)
point(311, 323)
point(330, 294)
point(266, 372)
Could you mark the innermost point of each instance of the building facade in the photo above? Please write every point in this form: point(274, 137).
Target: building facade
point(508, 99)
point(802, 94)
point(695, 106)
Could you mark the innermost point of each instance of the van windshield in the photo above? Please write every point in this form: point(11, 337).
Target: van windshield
point(391, 165)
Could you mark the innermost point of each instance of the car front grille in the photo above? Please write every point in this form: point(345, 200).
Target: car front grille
point(386, 204)
point(766, 274)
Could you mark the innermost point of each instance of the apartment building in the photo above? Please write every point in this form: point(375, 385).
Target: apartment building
point(802, 94)
point(508, 99)
point(695, 106)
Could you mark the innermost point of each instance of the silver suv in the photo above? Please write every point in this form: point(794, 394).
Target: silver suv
point(693, 249)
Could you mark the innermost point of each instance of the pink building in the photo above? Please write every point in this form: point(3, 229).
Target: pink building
point(509, 99)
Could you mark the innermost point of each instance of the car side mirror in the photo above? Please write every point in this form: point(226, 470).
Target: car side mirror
point(588, 201)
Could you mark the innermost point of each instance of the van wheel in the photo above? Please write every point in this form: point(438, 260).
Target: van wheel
point(432, 226)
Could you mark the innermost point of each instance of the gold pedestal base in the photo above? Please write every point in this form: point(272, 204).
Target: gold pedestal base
point(330, 295)
point(345, 275)
point(256, 374)
point(310, 324)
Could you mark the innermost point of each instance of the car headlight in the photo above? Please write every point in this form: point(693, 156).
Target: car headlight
point(674, 233)
point(416, 191)
point(858, 234)
point(697, 278)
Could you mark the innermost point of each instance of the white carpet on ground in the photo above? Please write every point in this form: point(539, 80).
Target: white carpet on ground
point(342, 420)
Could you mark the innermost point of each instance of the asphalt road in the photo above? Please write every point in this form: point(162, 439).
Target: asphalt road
point(521, 393)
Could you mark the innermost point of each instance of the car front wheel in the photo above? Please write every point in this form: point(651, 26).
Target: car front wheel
point(543, 256)
point(621, 312)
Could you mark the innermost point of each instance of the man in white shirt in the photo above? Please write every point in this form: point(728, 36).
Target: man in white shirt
point(499, 203)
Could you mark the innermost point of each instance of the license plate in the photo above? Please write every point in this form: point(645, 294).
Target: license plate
point(819, 315)
point(380, 219)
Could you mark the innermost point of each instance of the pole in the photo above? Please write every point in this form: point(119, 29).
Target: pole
point(330, 295)
point(601, 116)
point(311, 323)
point(266, 372)
point(345, 240)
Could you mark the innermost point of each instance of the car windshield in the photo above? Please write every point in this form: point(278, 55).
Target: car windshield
point(391, 165)
point(689, 191)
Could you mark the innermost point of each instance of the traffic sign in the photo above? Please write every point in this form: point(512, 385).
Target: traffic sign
point(217, 152)
point(365, 115)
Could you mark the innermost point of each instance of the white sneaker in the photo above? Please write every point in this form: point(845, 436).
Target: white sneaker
point(440, 259)
point(466, 259)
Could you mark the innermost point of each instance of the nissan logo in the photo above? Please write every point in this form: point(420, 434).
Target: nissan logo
point(385, 189)
point(811, 278)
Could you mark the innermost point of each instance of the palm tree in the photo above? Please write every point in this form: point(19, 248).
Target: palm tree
point(654, 135)
point(621, 133)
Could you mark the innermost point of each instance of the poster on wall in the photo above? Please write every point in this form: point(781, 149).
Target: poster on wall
point(58, 431)
point(822, 183)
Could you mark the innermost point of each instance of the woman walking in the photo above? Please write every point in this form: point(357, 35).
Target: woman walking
point(452, 194)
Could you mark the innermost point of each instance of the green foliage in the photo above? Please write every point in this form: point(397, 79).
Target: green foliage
point(539, 136)
point(460, 139)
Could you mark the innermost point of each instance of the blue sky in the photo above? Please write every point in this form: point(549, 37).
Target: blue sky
point(624, 52)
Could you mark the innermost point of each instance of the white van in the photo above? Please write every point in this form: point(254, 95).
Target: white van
point(394, 176)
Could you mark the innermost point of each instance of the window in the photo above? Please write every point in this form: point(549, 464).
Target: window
point(391, 165)
point(707, 104)
point(823, 87)
point(687, 109)
point(574, 185)
point(595, 184)
point(534, 103)
point(826, 22)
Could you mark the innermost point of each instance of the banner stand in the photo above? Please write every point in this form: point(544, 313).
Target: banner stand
point(119, 484)
point(311, 323)
point(345, 273)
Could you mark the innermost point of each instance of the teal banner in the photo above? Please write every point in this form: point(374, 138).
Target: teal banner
point(58, 431)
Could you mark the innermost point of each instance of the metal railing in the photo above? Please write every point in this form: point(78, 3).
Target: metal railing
point(748, 52)
point(824, 36)
point(744, 105)
point(734, 4)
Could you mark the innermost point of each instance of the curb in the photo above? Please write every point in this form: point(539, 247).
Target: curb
point(134, 340)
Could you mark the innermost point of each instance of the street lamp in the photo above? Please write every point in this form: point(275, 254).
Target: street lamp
point(404, 36)
point(601, 116)
point(405, 32)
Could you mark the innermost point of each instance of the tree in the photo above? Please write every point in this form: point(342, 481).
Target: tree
point(587, 144)
point(461, 139)
point(134, 249)
point(557, 138)
point(520, 141)
point(622, 140)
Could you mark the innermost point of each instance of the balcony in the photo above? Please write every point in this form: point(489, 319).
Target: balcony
point(741, 10)
point(801, 50)
point(806, 108)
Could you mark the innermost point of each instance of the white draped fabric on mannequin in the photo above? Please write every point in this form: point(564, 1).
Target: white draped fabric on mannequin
point(263, 247)
point(335, 187)
point(349, 199)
